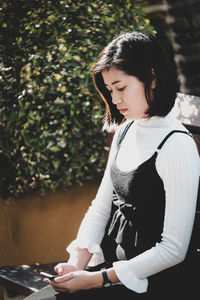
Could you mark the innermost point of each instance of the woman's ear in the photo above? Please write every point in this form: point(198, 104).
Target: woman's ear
point(153, 83)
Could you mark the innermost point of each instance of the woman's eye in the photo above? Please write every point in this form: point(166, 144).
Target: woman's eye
point(121, 89)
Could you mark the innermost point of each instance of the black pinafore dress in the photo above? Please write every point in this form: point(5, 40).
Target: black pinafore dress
point(137, 215)
point(135, 225)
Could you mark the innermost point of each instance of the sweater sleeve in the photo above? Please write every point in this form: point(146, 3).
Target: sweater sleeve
point(93, 225)
point(178, 165)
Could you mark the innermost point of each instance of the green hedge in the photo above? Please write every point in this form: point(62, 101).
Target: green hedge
point(50, 114)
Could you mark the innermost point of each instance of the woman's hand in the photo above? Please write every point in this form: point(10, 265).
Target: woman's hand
point(64, 268)
point(76, 280)
point(70, 277)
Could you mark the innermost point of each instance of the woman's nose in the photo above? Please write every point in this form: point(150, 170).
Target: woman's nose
point(116, 98)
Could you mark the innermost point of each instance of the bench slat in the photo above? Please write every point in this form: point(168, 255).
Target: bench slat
point(20, 281)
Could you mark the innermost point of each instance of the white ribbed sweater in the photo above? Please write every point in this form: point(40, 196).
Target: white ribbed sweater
point(178, 165)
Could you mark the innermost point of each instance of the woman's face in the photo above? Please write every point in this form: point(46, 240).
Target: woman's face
point(127, 93)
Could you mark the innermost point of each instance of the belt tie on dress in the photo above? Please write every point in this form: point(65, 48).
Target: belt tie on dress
point(121, 228)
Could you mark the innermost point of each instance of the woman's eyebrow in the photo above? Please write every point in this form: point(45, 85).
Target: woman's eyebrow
point(114, 82)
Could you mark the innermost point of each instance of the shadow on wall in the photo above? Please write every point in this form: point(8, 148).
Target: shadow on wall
point(187, 111)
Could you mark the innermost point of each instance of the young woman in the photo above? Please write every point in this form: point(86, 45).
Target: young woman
point(134, 240)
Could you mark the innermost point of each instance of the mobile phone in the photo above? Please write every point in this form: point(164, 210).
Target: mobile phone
point(47, 275)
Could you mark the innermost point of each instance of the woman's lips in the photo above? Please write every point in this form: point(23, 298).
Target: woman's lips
point(122, 110)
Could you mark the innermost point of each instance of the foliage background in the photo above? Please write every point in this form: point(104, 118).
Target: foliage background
point(50, 114)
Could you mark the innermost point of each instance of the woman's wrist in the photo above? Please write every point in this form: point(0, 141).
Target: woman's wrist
point(98, 279)
point(112, 276)
point(80, 258)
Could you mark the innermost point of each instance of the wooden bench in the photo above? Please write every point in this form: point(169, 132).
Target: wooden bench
point(20, 281)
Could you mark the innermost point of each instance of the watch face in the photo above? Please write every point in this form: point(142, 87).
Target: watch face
point(107, 284)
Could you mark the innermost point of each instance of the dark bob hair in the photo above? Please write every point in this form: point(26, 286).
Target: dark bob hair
point(141, 55)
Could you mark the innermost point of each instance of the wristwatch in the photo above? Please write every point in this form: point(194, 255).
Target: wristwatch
point(106, 281)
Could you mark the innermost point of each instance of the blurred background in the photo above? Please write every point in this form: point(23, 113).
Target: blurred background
point(52, 148)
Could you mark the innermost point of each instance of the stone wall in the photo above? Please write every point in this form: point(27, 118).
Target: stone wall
point(184, 20)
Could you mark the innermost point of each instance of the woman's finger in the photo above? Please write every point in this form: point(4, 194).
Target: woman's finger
point(60, 290)
point(58, 268)
point(63, 278)
point(47, 280)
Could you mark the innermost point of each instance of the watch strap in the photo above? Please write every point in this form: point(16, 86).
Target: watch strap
point(106, 280)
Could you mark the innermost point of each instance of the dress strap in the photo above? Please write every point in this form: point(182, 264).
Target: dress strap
point(169, 134)
point(122, 136)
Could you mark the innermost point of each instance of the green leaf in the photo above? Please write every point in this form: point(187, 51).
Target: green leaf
point(54, 149)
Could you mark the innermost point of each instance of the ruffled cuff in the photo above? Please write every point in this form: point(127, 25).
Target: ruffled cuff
point(97, 257)
point(128, 278)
